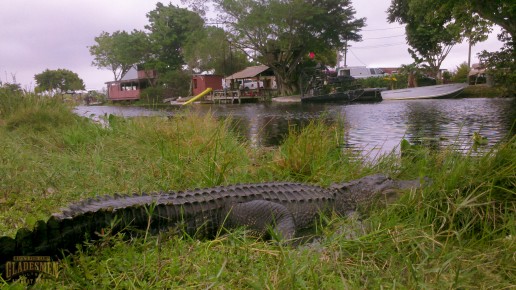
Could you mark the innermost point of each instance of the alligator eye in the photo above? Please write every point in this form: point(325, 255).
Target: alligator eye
point(390, 194)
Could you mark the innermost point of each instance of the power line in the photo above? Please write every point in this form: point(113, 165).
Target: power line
point(379, 46)
point(356, 57)
point(383, 37)
point(379, 29)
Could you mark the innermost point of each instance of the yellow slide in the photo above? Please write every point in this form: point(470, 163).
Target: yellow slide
point(206, 91)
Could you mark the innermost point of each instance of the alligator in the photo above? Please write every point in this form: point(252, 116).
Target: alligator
point(278, 207)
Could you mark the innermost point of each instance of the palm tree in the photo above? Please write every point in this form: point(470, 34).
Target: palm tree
point(412, 71)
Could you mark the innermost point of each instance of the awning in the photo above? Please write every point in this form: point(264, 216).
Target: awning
point(249, 72)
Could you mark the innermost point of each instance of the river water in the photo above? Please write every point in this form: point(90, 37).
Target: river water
point(372, 128)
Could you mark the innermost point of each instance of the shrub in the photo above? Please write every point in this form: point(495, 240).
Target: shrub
point(460, 75)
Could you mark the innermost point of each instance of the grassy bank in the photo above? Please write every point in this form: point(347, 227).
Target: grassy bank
point(481, 91)
point(459, 232)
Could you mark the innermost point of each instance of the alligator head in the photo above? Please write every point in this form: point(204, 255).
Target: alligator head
point(369, 189)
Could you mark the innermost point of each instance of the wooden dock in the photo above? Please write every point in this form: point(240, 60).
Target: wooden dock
point(236, 96)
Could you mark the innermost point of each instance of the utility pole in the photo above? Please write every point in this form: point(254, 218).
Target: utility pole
point(345, 53)
point(469, 53)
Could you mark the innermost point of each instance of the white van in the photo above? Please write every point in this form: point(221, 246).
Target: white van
point(250, 84)
point(359, 72)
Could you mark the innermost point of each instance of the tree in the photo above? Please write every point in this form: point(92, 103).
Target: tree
point(473, 18)
point(500, 12)
point(119, 51)
point(281, 33)
point(431, 35)
point(60, 80)
point(461, 73)
point(169, 30)
point(210, 49)
point(10, 88)
point(413, 72)
point(501, 65)
point(198, 6)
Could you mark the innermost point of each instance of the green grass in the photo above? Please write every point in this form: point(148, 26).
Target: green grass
point(458, 232)
point(481, 91)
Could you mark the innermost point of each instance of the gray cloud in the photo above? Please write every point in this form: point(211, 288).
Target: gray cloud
point(53, 34)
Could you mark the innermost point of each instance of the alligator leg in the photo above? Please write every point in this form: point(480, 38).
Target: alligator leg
point(260, 215)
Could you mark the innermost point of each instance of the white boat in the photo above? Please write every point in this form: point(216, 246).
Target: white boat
point(428, 92)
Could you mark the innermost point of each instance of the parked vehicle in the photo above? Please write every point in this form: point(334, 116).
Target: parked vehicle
point(250, 84)
point(359, 72)
point(319, 85)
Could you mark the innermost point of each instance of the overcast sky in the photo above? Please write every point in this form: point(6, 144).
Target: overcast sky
point(50, 34)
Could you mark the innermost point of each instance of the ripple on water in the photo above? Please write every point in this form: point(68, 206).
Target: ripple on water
point(376, 127)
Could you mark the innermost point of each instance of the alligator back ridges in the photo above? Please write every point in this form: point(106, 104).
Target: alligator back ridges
point(199, 198)
point(203, 210)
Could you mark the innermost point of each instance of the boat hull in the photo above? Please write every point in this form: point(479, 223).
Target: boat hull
point(428, 92)
point(360, 95)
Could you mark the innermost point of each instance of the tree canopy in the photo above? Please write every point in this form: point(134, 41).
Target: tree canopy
point(119, 51)
point(277, 33)
point(431, 33)
point(170, 28)
point(10, 87)
point(280, 34)
point(471, 20)
point(500, 12)
point(500, 64)
point(210, 49)
point(60, 80)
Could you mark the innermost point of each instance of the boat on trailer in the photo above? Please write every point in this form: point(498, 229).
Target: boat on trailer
point(428, 92)
point(355, 95)
point(321, 85)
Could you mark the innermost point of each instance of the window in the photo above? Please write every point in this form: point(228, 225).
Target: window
point(344, 72)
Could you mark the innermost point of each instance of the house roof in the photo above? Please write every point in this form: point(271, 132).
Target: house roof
point(476, 69)
point(249, 72)
point(131, 74)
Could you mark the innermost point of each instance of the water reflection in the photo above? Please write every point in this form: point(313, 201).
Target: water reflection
point(266, 124)
point(99, 113)
point(453, 122)
point(375, 127)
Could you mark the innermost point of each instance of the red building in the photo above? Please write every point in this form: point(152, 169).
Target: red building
point(390, 70)
point(130, 86)
point(202, 82)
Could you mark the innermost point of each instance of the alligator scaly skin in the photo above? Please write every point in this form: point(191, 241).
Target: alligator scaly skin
point(286, 207)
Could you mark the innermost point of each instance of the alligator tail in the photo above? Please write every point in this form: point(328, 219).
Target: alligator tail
point(84, 222)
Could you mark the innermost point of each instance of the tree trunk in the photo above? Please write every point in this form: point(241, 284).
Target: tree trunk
point(411, 80)
point(284, 87)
